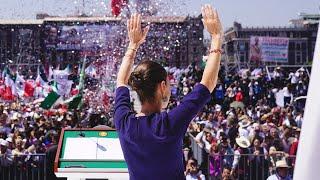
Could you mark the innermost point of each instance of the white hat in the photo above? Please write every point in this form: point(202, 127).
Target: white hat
point(36, 116)
point(244, 123)
point(15, 116)
point(9, 139)
point(243, 142)
point(255, 125)
point(60, 118)
point(218, 107)
point(282, 164)
point(4, 143)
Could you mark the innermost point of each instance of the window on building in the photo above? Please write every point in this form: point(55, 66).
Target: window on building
point(242, 56)
point(298, 46)
point(298, 57)
point(241, 46)
point(314, 34)
point(304, 56)
point(291, 45)
point(303, 46)
point(291, 34)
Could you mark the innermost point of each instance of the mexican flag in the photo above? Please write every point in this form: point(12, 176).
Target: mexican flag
point(18, 86)
point(22, 87)
point(75, 102)
point(42, 89)
point(51, 99)
point(9, 80)
point(63, 84)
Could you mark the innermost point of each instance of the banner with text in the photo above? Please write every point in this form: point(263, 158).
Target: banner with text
point(269, 49)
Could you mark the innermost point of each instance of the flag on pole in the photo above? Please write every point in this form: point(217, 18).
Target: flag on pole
point(308, 156)
point(18, 86)
point(42, 89)
point(9, 80)
point(29, 88)
point(63, 84)
point(51, 99)
point(75, 102)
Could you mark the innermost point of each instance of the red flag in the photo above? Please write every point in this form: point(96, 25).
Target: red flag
point(7, 94)
point(29, 88)
point(2, 90)
point(117, 5)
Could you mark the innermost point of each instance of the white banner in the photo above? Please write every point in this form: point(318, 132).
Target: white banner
point(269, 49)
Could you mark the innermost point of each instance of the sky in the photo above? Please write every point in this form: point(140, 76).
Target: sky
point(247, 12)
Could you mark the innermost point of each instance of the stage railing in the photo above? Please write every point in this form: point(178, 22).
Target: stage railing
point(246, 166)
point(23, 167)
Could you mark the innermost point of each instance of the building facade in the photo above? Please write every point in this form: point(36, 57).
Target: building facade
point(175, 41)
point(20, 42)
point(302, 35)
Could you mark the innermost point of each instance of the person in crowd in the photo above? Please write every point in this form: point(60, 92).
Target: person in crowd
point(226, 174)
point(241, 158)
point(282, 171)
point(5, 154)
point(215, 161)
point(258, 163)
point(192, 171)
point(287, 95)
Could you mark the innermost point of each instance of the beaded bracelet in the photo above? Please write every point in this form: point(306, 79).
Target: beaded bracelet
point(216, 51)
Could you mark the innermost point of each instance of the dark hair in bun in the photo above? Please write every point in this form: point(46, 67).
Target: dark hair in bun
point(145, 78)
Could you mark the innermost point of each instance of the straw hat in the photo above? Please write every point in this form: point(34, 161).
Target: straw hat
point(243, 142)
point(36, 116)
point(266, 116)
point(282, 164)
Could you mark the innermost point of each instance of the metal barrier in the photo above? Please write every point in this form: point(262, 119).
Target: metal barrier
point(23, 167)
point(248, 166)
point(200, 154)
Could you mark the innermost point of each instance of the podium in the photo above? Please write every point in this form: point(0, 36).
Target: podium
point(90, 154)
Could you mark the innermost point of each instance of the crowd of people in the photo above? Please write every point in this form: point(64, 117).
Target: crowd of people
point(246, 125)
point(29, 134)
point(251, 126)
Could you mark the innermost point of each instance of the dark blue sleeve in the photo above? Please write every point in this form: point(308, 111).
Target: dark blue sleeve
point(180, 117)
point(122, 107)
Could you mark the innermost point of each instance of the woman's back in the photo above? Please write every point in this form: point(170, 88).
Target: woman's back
point(158, 135)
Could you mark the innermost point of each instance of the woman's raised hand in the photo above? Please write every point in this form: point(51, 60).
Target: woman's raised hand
point(211, 21)
point(136, 34)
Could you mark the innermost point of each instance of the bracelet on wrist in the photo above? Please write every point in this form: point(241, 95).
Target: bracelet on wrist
point(133, 49)
point(216, 51)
